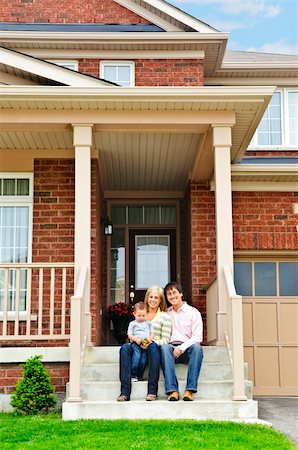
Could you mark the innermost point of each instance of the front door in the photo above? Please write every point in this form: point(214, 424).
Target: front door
point(152, 260)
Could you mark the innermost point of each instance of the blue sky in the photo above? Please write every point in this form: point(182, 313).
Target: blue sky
point(254, 25)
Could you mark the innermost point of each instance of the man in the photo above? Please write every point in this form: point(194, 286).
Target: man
point(184, 346)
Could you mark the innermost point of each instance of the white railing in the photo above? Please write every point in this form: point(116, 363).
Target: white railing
point(35, 301)
point(234, 334)
point(212, 308)
point(80, 334)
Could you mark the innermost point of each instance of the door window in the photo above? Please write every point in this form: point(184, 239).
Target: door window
point(152, 260)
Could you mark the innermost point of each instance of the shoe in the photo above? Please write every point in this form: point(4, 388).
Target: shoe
point(134, 379)
point(151, 398)
point(173, 397)
point(122, 398)
point(188, 396)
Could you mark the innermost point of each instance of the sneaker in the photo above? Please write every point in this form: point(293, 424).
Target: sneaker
point(133, 379)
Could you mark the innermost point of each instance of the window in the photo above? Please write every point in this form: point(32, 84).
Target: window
point(121, 73)
point(278, 127)
point(15, 234)
point(266, 278)
point(144, 215)
point(73, 65)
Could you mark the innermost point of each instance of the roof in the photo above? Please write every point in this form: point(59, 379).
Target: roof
point(268, 160)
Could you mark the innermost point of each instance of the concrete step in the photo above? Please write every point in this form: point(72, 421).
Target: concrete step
point(162, 409)
point(207, 390)
point(110, 354)
point(110, 372)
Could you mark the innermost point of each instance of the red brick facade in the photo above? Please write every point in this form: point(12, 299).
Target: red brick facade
point(67, 11)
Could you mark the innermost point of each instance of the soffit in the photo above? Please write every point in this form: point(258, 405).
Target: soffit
point(265, 173)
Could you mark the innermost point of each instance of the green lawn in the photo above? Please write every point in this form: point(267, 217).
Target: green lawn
point(51, 433)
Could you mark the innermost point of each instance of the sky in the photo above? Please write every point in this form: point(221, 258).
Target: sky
point(268, 26)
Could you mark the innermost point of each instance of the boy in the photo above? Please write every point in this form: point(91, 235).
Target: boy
point(140, 333)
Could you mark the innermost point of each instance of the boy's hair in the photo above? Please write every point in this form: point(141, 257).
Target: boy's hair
point(139, 306)
point(173, 284)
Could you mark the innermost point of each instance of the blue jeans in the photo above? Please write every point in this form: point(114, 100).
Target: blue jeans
point(138, 360)
point(153, 355)
point(193, 356)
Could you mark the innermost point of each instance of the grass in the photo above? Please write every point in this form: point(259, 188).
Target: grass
point(49, 432)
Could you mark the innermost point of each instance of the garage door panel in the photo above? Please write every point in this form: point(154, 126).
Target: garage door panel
point(267, 357)
point(288, 322)
point(289, 366)
point(265, 322)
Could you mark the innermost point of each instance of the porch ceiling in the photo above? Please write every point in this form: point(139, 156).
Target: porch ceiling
point(145, 138)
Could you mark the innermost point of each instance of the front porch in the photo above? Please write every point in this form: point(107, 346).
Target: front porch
point(179, 142)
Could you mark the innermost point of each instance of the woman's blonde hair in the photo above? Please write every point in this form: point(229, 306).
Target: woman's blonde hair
point(163, 304)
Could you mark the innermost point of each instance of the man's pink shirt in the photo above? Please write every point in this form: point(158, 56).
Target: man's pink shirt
point(187, 326)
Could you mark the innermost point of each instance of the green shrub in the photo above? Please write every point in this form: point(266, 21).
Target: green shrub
point(34, 392)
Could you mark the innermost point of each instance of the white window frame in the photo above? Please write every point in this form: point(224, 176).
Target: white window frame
point(122, 63)
point(66, 64)
point(15, 201)
point(285, 126)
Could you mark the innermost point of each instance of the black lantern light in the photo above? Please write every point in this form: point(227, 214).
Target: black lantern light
point(107, 226)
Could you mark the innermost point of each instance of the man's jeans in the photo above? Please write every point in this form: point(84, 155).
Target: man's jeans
point(193, 356)
point(153, 355)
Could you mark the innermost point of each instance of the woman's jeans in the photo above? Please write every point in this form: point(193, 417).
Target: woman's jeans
point(193, 356)
point(153, 357)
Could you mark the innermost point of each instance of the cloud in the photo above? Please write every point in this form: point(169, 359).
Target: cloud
point(236, 7)
point(278, 47)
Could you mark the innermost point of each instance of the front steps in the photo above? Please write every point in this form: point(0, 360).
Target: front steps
point(100, 387)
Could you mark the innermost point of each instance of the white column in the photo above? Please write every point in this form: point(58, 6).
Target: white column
point(222, 141)
point(82, 140)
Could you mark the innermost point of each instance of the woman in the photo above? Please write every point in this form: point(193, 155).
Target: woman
point(162, 324)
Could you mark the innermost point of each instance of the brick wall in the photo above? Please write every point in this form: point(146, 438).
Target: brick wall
point(169, 72)
point(157, 72)
point(67, 11)
point(264, 221)
point(11, 373)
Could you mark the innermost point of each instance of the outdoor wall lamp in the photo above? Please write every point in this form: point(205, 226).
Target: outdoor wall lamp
point(107, 226)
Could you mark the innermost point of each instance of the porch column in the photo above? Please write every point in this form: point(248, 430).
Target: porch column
point(82, 140)
point(222, 141)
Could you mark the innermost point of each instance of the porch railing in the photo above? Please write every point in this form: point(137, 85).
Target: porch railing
point(234, 334)
point(212, 308)
point(35, 301)
point(80, 334)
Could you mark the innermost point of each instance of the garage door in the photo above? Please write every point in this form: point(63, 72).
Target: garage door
point(270, 312)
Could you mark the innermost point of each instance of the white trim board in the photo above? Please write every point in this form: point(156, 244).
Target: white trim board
point(21, 354)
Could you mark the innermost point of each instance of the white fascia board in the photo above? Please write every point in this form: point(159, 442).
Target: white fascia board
point(46, 70)
point(41, 37)
point(272, 65)
point(148, 15)
point(180, 16)
point(261, 186)
point(200, 93)
point(264, 169)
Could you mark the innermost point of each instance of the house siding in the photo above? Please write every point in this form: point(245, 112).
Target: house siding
point(68, 11)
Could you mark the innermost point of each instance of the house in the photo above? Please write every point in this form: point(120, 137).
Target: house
point(132, 115)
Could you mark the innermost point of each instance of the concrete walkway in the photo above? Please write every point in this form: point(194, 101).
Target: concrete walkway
point(282, 412)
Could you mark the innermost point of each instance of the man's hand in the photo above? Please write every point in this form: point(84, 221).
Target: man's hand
point(177, 352)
